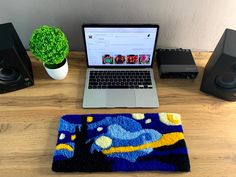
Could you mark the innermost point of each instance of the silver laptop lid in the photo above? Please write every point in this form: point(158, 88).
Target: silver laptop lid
point(120, 45)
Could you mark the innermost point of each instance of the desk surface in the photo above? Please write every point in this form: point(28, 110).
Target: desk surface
point(29, 119)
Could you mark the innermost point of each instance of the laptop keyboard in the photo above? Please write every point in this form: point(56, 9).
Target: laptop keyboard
point(120, 79)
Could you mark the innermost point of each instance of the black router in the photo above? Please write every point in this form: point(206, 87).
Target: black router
point(176, 63)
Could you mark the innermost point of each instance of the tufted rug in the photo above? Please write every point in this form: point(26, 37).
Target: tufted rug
point(121, 142)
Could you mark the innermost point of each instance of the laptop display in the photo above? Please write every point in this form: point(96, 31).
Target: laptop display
point(116, 46)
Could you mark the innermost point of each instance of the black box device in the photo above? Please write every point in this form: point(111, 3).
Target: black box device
point(176, 63)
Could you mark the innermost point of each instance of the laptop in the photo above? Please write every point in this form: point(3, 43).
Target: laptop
point(120, 60)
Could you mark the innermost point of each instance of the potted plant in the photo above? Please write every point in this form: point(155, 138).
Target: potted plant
point(50, 46)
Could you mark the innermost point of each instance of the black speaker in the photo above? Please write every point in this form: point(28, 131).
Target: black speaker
point(219, 77)
point(15, 66)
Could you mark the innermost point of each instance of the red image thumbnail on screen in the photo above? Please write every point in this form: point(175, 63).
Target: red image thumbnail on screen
point(132, 59)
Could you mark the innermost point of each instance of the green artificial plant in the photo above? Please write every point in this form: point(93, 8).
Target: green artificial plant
point(49, 45)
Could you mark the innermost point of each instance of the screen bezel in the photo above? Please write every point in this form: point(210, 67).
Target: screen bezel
point(119, 26)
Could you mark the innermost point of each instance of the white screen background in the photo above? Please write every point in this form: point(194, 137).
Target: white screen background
point(110, 42)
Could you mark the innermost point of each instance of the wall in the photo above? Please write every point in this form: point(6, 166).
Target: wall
point(195, 24)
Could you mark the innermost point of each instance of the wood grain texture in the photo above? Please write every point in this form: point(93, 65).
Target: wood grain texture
point(29, 119)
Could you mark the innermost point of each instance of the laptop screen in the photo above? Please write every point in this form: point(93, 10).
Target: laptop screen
point(118, 46)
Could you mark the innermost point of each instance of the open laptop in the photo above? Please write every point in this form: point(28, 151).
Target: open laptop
point(120, 59)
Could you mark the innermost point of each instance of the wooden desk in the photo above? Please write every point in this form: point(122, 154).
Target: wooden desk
point(29, 119)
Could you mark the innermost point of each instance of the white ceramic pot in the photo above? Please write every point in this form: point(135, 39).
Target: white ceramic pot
point(58, 73)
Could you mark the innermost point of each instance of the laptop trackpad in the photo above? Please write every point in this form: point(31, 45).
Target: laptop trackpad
point(120, 98)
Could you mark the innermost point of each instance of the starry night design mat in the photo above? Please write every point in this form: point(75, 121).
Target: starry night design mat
point(121, 142)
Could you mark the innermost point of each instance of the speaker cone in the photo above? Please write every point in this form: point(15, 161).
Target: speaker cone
point(226, 80)
point(8, 74)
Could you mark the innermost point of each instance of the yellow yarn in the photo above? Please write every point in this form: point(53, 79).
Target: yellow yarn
point(165, 140)
point(174, 119)
point(64, 146)
point(89, 119)
point(73, 137)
